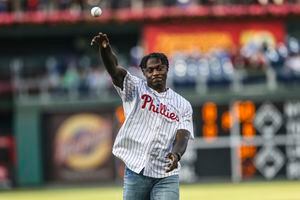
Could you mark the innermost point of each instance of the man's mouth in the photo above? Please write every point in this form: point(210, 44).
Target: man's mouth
point(157, 79)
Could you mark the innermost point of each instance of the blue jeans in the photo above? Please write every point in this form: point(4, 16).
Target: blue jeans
point(140, 187)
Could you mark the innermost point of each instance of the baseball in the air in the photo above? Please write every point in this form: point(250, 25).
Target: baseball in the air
point(96, 11)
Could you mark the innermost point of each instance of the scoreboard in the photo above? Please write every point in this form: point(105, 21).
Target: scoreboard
point(244, 139)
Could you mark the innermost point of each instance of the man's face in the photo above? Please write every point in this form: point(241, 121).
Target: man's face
point(155, 73)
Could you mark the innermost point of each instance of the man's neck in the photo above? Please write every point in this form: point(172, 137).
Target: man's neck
point(159, 89)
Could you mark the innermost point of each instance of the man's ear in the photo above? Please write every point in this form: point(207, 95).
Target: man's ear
point(143, 72)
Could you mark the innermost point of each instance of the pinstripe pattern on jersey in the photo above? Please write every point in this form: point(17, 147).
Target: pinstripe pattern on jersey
point(149, 130)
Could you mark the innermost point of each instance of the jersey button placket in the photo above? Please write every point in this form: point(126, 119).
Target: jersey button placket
point(160, 120)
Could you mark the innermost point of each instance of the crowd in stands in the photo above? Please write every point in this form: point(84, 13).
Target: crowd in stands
point(81, 5)
point(80, 76)
point(250, 64)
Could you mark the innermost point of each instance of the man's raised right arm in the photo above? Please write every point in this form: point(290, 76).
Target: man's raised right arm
point(109, 59)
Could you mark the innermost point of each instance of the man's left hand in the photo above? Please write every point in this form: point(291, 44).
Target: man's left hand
point(173, 162)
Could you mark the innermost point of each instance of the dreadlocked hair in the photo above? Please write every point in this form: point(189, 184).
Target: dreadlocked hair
point(162, 57)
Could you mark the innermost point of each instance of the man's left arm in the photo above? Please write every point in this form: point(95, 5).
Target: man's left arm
point(183, 134)
point(179, 147)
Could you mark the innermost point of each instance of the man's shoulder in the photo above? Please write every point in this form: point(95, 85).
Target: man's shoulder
point(134, 76)
point(133, 79)
point(181, 99)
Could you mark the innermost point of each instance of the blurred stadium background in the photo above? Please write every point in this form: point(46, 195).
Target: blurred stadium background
point(238, 62)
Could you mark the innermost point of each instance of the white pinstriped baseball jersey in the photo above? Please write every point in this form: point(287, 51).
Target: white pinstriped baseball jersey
point(149, 130)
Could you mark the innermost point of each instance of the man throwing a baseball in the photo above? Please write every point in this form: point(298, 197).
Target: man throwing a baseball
point(157, 128)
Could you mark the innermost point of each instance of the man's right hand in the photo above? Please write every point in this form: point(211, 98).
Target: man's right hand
point(101, 40)
point(109, 59)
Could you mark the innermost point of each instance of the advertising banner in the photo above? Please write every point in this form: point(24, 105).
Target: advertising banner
point(208, 36)
point(80, 147)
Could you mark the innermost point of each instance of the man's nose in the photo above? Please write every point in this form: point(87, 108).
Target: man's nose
point(155, 71)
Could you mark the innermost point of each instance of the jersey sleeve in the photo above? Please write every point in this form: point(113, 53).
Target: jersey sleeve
point(130, 85)
point(186, 121)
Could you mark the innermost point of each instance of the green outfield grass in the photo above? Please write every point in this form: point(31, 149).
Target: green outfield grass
point(229, 191)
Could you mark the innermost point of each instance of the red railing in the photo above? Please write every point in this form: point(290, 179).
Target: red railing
point(151, 14)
